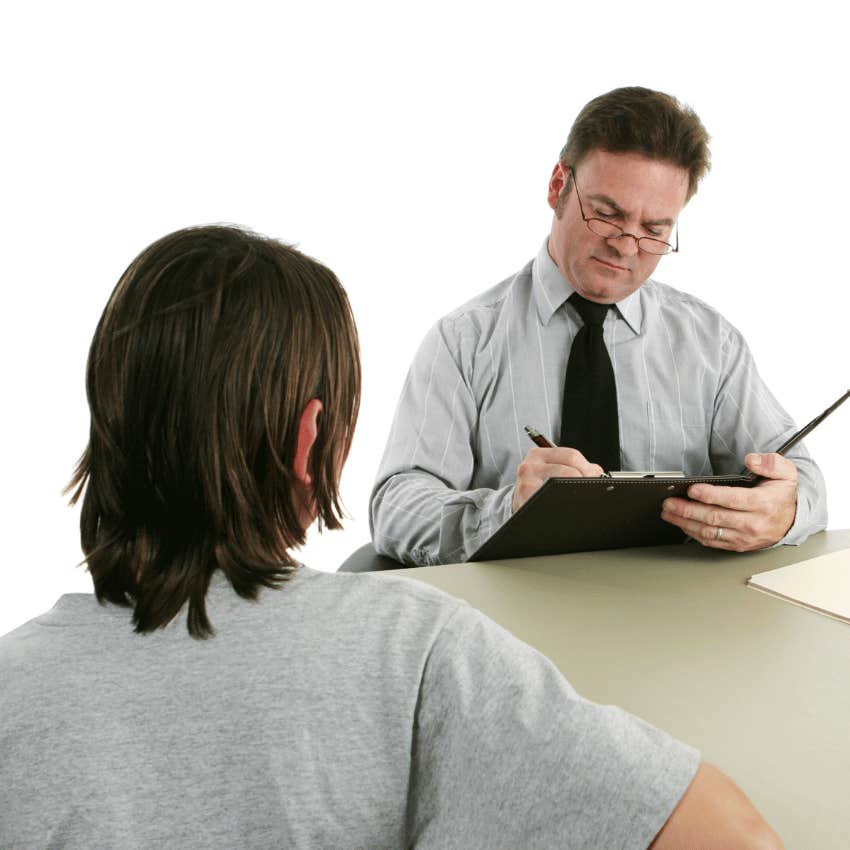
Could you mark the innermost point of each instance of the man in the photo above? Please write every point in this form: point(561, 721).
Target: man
point(665, 384)
point(217, 694)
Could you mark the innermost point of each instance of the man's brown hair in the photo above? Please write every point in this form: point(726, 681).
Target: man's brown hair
point(639, 120)
point(209, 348)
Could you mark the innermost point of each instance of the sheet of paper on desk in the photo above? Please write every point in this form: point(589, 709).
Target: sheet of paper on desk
point(821, 584)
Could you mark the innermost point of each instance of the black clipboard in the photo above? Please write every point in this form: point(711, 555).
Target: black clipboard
point(586, 514)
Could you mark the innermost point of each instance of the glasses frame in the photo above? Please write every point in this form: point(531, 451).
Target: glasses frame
point(672, 249)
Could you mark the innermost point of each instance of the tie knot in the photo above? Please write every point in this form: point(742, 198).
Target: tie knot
point(591, 313)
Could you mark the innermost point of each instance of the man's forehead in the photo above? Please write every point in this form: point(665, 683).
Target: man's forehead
point(631, 181)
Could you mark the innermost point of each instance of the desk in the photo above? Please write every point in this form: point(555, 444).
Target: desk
point(760, 686)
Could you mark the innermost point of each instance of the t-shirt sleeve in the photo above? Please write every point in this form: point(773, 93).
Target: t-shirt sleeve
point(508, 755)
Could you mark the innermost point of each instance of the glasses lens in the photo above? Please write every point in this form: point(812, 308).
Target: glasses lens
point(603, 228)
point(654, 246)
point(612, 231)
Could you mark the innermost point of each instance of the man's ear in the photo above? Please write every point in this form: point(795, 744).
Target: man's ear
point(557, 181)
point(308, 428)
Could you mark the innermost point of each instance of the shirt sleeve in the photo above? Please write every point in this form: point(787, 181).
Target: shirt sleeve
point(507, 755)
point(424, 508)
point(748, 418)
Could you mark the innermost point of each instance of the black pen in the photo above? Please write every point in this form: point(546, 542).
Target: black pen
point(811, 426)
point(805, 430)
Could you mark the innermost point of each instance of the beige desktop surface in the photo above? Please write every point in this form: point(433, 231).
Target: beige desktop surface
point(760, 686)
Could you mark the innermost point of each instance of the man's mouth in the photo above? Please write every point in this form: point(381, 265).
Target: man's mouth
point(609, 265)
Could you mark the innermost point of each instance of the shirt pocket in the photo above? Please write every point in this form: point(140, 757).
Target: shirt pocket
point(677, 438)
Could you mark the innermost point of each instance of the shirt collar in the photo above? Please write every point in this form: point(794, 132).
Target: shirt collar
point(551, 290)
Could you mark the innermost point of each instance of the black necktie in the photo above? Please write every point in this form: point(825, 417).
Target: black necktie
point(589, 420)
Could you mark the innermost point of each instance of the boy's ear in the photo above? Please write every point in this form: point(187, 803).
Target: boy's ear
point(308, 428)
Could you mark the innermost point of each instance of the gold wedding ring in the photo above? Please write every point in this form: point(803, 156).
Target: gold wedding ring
point(718, 534)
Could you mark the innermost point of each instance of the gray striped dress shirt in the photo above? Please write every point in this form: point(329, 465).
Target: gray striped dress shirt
point(689, 398)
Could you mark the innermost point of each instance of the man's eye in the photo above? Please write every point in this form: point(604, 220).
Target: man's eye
point(605, 214)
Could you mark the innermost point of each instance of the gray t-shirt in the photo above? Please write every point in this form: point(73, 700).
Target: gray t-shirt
point(340, 711)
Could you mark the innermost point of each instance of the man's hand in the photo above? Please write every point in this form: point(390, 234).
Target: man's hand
point(541, 464)
point(738, 518)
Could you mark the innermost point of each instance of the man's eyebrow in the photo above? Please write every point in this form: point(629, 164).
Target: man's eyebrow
point(612, 203)
point(606, 200)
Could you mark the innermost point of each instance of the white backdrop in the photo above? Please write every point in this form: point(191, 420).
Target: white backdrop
point(408, 146)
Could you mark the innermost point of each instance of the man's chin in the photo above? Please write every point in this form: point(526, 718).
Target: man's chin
point(607, 288)
point(605, 292)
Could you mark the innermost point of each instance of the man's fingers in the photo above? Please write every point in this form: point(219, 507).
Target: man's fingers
point(735, 498)
point(747, 518)
point(716, 528)
point(564, 457)
point(541, 464)
point(747, 499)
point(709, 515)
point(771, 465)
point(714, 536)
point(557, 470)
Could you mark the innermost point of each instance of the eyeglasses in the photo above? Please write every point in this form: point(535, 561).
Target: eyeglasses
point(609, 230)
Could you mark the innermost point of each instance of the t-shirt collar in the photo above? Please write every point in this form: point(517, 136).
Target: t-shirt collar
point(73, 609)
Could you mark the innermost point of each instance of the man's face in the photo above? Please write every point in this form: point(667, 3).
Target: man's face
point(643, 196)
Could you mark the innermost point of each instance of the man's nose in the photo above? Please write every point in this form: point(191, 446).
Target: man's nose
point(626, 245)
